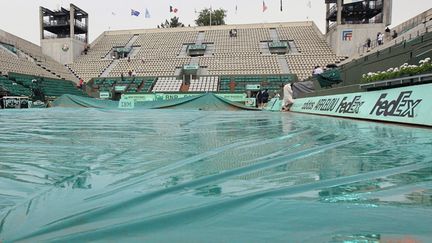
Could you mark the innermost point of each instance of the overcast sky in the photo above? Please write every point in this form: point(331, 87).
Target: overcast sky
point(21, 17)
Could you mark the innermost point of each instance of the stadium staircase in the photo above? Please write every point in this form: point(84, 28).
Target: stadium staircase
point(37, 62)
point(107, 56)
point(113, 64)
point(135, 50)
point(283, 65)
point(72, 72)
point(293, 48)
point(200, 38)
point(194, 61)
point(183, 51)
point(274, 35)
point(110, 67)
point(264, 50)
point(40, 64)
point(8, 50)
point(164, 51)
point(131, 41)
point(43, 63)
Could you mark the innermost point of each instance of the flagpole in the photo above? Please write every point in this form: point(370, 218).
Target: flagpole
point(210, 15)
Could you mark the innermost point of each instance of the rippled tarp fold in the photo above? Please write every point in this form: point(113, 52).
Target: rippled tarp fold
point(73, 101)
point(207, 101)
point(97, 175)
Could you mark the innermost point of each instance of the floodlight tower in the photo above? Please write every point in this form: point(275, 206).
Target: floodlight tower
point(351, 22)
point(64, 33)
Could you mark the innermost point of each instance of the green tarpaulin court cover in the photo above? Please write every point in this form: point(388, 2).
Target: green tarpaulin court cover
point(207, 101)
point(190, 175)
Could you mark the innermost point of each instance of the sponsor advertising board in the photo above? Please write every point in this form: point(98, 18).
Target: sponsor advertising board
point(104, 95)
point(412, 104)
point(236, 97)
point(126, 104)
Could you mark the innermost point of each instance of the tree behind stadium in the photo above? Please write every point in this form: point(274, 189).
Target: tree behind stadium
point(217, 17)
point(173, 23)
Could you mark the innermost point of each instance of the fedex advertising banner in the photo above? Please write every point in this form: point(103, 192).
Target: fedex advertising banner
point(412, 104)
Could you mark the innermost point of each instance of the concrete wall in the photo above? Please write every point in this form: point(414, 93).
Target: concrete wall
point(359, 32)
point(55, 49)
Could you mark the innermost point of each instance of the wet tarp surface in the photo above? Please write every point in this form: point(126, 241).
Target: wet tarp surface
point(208, 102)
point(73, 101)
point(97, 175)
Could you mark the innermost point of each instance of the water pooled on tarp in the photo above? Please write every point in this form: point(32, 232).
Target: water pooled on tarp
point(70, 175)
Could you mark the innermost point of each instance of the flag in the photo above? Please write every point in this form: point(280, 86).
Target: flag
point(134, 13)
point(147, 14)
point(264, 7)
point(236, 9)
point(281, 5)
point(309, 4)
point(173, 10)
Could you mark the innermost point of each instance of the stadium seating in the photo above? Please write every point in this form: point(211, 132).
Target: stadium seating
point(224, 84)
point(13, 63)
point(233, 62)
point(29, 59)
point(150, 67)
point(204, 84)
point(160, 52)
point(228, 83)
point(313, 49)
point(167, 84)
point(97, 59)
point(270, 82)
point(148, 84)
point(89, 69)
point(13, 88)
point(134, 84)
point(51, 87)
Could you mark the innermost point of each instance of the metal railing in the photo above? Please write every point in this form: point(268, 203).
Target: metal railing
point(374, 46)
point(332, 10)
point(55, 23)
point(80, 24)
point(80, 38)
point(63, 23)
point(50, 36)
point(397, 81)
